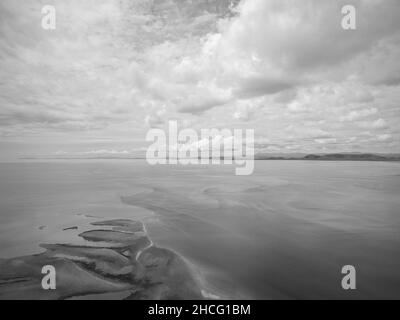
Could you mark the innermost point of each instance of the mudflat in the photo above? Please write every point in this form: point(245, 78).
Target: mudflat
point(134, 269)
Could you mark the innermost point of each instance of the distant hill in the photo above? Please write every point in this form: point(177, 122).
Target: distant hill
point(333, 157)
point(260, 156)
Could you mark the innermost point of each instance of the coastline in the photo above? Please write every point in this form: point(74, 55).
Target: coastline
point(127, 265)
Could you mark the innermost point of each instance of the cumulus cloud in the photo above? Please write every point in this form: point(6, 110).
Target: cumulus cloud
point(274, 45)
point(354, 115)
point(107, 152)
point(157, 118)
point(377, 124)
point(114, 68)
point(384, 137)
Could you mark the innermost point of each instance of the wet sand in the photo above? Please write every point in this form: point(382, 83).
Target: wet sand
point(130, 268)
point(283, 233)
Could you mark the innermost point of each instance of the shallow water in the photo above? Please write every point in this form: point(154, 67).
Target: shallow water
point(283, 232)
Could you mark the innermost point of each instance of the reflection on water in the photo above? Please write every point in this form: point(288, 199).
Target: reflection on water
point(284, 232)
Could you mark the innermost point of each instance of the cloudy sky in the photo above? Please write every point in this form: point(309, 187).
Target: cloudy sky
point(113, 69)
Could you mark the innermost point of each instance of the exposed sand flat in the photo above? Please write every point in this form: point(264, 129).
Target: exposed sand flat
point(282, 233)
point(286, 232)
point(122, 225)
point(110, 236)
point(175, 278)
point(119, 295)
point(103, 260)
point(71, 279)
point(135, 270)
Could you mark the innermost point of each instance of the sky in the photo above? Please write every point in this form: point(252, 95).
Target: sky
point(114, 69)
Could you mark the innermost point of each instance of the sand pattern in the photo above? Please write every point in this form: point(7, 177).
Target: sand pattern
point(127, 265)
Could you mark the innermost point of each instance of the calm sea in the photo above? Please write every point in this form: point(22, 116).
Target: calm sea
point(284, 232)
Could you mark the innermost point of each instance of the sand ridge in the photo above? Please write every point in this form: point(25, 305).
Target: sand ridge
point(131, 267)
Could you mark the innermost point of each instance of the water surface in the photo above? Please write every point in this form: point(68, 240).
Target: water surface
point(283, 232)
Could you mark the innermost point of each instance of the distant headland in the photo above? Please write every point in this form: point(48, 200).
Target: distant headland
point(331, 157)
point(350, 156)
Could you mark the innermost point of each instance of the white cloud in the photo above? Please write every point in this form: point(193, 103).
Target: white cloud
point(114, 68)
point(355, 115)
point(326, 141)
point(157, 118)
point(384, 137)
point(376, 124)
point(107, 152)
